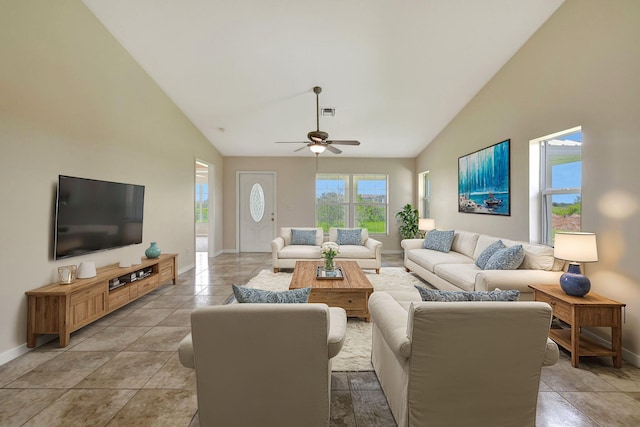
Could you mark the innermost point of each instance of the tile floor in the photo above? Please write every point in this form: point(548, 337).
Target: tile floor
point(123, 370)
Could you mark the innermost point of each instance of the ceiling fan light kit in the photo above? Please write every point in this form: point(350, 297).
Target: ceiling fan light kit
point(317, 148)
point(319, 139)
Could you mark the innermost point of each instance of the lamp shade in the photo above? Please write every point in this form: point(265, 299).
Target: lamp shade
point(426, 224)
point(578, 247)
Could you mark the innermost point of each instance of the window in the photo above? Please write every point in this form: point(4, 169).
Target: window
point(202, 203)
point(357, 200)
point(424, 192)
point(560, 183)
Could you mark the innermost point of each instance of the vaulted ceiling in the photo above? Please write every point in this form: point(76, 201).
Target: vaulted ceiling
point(395, 72)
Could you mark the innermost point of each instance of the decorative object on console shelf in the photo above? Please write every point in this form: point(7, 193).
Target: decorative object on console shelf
point(426, 224)
point(329, 250)
point(575, 247)
point(86, 270)
point(152, 251)
point(67, 274)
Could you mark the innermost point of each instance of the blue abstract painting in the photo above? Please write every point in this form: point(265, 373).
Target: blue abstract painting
point(483, 181)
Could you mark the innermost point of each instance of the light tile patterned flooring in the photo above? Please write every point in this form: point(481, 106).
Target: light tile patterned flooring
point(124, 369)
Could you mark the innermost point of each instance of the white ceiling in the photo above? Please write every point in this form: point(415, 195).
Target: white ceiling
point(395, 71)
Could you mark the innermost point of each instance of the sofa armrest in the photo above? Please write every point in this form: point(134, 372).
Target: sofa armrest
point(391, 320)
point(551, 353)
point(185, 352)
point(277, 244)
point(374, 246)
point(408, 244)
point(488, 280)
point(337, 330)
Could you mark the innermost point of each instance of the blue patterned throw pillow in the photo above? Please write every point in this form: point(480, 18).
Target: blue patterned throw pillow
point(506, 259)
point(439, 240)
point(448, 296)
point(252, 295)
point(488, 252)
point(349, 236)
point(303, 237)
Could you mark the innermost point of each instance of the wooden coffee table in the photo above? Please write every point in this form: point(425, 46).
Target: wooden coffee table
point(351, 293)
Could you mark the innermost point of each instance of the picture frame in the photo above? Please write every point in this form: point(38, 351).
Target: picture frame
point(484, 180)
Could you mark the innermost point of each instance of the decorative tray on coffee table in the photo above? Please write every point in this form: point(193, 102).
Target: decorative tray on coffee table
point(336, 274)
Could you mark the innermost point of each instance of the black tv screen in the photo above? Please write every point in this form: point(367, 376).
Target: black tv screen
point(94, 215)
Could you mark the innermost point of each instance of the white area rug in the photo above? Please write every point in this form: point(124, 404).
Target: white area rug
point(356, 352)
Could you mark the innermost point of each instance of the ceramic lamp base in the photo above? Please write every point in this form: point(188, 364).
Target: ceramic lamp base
point(574, 283)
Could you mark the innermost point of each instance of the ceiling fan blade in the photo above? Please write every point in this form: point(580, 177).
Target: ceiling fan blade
point(334, 150)
point(291, 142)
point(301, 148)
point(339, 142)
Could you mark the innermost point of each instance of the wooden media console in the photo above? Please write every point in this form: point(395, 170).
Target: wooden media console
point(61, 309)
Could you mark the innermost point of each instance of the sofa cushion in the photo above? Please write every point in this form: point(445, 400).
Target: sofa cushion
point(446, 296)
point(506, 259)
point(303, 237)
point(333, 234)
point(465, 242)
point(483, 242)
point(483, 258)
point(462, 276)
point(251, 295)
point(428, 258)
point(285, 233)
point(438, 240)
point(299, 251)
point(355, 251)
point(538, 257)
point(349, 236)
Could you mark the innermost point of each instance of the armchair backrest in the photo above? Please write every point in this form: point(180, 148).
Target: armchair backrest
point(262, 364)
point(476, 362)
point(285, 233)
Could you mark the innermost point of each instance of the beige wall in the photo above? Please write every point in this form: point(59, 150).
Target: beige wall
point(295, 184)
point(74, 102)
point(580, 68)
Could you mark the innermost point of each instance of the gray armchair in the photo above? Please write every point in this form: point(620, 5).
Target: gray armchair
point(460, 363)
point(264, 364)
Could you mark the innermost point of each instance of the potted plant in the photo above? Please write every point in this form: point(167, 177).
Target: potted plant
point(408, 218)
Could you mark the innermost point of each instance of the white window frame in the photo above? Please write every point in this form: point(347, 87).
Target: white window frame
point(350, 198)
point(541, 194)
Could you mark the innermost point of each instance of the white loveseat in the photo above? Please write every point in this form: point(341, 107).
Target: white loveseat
point(368, 254)
point(456, 270)
point(460, 363)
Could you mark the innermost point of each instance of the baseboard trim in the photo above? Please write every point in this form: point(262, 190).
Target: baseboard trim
point(18, 351)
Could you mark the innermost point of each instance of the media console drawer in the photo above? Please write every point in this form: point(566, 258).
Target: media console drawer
point(61, 309)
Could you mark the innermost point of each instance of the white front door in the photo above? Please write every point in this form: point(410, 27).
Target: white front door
point(256, 211)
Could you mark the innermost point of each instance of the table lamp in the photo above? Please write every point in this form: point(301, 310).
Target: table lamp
point(426, 224)
point(575, 248)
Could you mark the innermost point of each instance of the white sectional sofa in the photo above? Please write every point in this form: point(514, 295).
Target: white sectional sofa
point(284, 254)
point(456, 270)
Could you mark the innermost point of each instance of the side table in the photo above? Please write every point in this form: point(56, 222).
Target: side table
point(590, 310)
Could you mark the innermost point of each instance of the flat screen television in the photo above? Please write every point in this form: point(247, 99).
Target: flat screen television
point(94, 215)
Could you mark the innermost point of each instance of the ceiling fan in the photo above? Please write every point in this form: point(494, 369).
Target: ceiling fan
point(319, 139)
